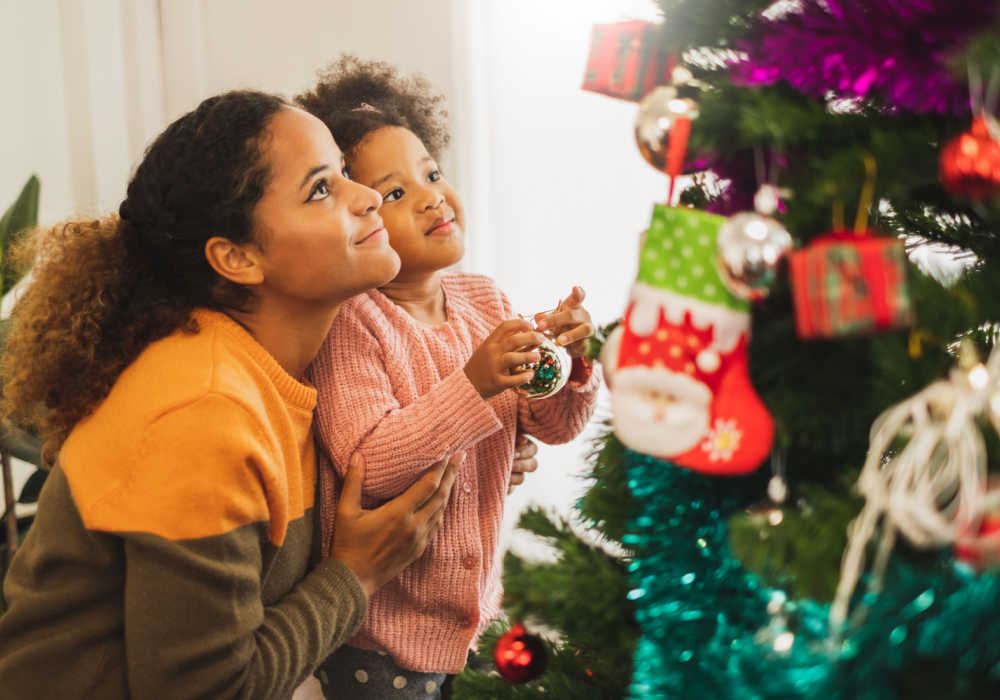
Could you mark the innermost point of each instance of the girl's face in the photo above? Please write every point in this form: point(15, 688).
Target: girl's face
point(319, 236)
point(421, 210)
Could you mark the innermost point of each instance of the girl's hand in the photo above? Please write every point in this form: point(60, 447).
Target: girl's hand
point(524, 460)
point(491, 365)
point(570, 322)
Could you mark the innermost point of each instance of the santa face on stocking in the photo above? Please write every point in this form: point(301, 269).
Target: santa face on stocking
point(677, 366)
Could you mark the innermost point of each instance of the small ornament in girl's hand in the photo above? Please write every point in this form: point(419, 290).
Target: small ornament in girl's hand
point(519, 656)
point(551, 372)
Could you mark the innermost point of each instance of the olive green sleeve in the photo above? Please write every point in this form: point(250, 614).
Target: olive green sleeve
point(196, 626)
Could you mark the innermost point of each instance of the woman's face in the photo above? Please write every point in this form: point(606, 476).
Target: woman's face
point(422, 212)
point(319, 235)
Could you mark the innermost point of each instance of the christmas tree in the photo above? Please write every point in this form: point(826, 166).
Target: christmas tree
point(818, 518)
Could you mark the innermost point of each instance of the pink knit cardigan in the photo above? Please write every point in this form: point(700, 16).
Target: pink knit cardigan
point(395, 389)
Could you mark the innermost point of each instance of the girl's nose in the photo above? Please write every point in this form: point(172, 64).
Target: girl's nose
point(432, 200)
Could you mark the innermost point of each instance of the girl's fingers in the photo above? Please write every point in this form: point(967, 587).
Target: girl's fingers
point(513, 325)
point(516, 341)
point(575, 298)
point(559, 320)
point(513, 359)
point(581, 332)
point(511, 380)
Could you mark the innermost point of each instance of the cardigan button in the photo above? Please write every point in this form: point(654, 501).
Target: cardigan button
point(467, 487)
point(469, 561)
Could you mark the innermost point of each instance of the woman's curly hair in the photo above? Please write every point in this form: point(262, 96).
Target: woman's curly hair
point(355, 97)
point(104, 289)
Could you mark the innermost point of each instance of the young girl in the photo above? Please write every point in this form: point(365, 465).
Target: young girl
point(161, 354)
point(426, 366)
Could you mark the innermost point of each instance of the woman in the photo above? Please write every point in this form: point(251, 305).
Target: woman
point(161, 353)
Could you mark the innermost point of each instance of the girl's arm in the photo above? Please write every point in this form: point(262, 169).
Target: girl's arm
point(358, 412)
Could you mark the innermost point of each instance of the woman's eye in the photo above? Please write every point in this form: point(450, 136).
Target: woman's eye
point(393, 195)
point(319, 191)
point(434, 175)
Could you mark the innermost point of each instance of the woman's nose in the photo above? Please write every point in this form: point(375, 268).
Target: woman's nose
point(366, 199)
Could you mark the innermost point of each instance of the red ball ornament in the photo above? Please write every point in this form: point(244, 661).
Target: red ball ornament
point(981, 548)
point(970, 163)
point(520, 657)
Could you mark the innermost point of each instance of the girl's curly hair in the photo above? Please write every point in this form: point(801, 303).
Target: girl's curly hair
point(104, 289)
point(355, 97)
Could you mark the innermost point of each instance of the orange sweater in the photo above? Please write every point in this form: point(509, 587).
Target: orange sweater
point(171, 551)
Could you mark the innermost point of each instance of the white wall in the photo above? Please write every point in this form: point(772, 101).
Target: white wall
point(33, 133)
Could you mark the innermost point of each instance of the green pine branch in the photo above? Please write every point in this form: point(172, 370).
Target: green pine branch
point(608, 503)
point(582, 593)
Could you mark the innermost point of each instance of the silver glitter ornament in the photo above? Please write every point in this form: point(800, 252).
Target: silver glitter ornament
point(750, 248)
point(659, 113)
point(551, 372)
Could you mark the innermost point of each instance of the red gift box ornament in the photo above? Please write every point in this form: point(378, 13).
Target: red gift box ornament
point(846, 284)
point(626, 60)
point(850, 282)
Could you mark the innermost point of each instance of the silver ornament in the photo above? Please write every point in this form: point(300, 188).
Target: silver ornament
point(658, 114)
point(750, 247)
point(551, 372)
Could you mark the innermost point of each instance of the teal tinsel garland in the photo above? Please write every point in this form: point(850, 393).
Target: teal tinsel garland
point(707, 632)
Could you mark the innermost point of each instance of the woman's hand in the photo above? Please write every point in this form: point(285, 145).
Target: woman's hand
point(489, 369)
point(569, 322)
point(378, 544)
point(524, 460)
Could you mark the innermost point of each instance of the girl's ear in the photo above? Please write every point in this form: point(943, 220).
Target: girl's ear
point(234, 262)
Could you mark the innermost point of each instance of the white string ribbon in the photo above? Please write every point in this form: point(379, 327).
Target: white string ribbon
point(932, 491)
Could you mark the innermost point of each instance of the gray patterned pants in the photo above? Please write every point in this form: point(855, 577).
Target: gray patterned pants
point(358, 674)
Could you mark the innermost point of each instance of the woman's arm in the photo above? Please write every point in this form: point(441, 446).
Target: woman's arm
point(196, 620)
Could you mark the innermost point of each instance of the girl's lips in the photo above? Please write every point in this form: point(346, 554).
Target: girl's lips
point(445, 228)
point(379, 235)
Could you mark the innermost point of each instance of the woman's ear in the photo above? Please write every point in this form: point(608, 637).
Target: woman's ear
point(234, 262)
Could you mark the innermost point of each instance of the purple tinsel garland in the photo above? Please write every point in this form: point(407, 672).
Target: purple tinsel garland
point(894, 49)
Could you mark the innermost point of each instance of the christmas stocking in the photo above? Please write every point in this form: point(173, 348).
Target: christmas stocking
point(677, 366)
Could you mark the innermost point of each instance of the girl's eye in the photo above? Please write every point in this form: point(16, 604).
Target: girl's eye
point(319, 191)
point(393, 195)
point(434, 175)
